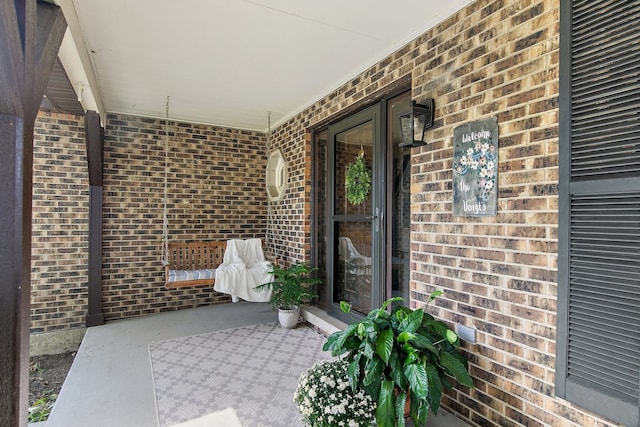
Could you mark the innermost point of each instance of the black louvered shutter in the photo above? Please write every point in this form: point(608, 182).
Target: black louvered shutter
point(599, 237)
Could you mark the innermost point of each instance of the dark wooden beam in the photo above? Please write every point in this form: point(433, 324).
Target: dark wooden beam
point(95, 316)
point(95, 147)
point(50, 31)
point(22, 69)
point(94, 136)
point(28, 71)
point(11, 295)
point(14, 361)
point(11, 60)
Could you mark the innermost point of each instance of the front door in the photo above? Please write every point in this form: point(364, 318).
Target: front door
point(354, 220)
point(361, 235)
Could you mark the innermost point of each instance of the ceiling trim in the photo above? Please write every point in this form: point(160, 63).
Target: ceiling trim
point(77, 64)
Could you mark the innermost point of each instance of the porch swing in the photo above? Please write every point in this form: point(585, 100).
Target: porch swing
point(186, 263)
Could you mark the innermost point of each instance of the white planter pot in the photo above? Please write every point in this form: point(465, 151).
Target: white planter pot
point(288, 317)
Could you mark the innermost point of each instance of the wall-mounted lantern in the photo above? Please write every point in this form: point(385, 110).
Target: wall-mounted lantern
point(415, 122)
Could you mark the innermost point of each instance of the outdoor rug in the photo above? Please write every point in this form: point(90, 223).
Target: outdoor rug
point(252, 369)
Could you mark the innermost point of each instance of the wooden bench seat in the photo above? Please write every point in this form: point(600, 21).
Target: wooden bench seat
point(195, 260)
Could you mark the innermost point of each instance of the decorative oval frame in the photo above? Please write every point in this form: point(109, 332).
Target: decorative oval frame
point(277, 175)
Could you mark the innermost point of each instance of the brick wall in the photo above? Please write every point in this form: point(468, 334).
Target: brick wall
point(216, 192)
point(498, 273)
point(290, 218)
point(60, 224)
point(493, 58)
point(216, 187)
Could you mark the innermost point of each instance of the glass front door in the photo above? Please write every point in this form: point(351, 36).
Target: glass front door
point(362, 235)
point(354, 222)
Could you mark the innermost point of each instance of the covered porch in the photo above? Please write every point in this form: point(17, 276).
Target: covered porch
point(83, 185)
point(111, 380)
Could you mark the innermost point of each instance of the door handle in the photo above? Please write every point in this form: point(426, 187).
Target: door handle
point(375, 219)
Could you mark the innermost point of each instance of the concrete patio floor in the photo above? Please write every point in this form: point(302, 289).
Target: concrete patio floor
point(110, 382)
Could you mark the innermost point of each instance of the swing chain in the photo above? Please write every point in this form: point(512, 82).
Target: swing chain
point(165, 219)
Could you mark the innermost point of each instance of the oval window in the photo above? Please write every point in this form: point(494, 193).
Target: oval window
point(276, 175)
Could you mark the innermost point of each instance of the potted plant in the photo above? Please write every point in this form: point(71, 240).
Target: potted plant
point(291, 286)
point(398, 356)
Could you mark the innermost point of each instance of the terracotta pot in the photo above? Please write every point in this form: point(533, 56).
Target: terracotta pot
point(407, 406)
point(407, 403)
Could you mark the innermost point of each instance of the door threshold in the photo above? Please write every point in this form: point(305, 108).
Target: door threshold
point(321, 320)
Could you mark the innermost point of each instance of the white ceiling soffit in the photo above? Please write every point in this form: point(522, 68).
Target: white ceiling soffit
point(230, 62)
point(72, 64)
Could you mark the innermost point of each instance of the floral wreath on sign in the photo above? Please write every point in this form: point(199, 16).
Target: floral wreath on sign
point(481, 158)
point(358, 180)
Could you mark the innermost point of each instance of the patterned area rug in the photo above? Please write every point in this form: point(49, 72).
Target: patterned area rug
point(253, 369)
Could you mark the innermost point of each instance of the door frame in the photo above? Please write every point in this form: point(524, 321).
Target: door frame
point(381, 97)
point(376, 114)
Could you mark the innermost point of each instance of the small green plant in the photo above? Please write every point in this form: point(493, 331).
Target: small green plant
point(398, 356)
point(42, 407)
point(291, 286)
point(34, 367)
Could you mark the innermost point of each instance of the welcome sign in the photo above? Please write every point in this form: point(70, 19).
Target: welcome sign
point(475, 168)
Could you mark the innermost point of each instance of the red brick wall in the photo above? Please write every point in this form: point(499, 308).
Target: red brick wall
point(290, 224)
point(216, 187)
point(216, 192)
point(498, 273)
point(493, 58)
point(60, 224)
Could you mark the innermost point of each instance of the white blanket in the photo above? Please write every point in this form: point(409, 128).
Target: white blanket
point(243, 268)
point(354, 261)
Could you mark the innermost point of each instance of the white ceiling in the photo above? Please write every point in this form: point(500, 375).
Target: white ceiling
point(231, 62)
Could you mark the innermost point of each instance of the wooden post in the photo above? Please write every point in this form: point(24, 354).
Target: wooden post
point(95, 316)
point(95, 154)
point(30, 36)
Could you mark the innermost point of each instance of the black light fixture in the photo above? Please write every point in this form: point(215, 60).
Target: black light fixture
point(415, 122)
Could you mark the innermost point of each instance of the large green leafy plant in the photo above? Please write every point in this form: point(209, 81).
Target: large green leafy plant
point(401, 355)
point(291, 286)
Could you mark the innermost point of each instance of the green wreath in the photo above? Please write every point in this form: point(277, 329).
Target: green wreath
point(358, 181)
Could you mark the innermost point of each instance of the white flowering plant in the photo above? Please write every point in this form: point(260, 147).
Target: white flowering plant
point(325, 398)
